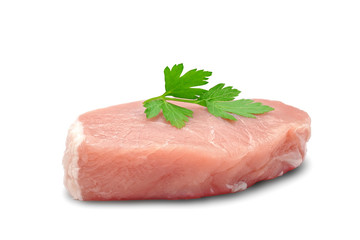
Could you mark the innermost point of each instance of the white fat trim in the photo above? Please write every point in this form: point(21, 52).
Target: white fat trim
point(292, 158)
point(70, 161)
point(237, 187)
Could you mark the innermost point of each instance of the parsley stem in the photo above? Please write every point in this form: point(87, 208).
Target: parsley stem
point(154, 98)
point(181, 100)
point(162, 97)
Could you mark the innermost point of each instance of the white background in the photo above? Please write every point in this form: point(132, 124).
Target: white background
point(59, 59)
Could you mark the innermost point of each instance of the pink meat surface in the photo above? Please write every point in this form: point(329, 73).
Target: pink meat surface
point(116, 153)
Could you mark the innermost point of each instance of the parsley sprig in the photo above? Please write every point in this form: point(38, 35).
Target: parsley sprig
point(219, 100)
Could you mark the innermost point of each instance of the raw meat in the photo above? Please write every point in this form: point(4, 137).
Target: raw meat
point(116, 153)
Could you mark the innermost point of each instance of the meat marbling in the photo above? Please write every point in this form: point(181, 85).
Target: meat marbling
point(115, 153)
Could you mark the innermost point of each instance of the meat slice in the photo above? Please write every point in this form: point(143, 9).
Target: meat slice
point(116, 153)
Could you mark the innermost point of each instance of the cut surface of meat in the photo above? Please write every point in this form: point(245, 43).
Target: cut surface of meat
point(116, 153)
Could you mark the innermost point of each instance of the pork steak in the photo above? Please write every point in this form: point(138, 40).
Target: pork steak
point(116, 153)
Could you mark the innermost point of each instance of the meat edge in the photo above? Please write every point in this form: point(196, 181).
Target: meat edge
point(71, 158)
point(292, 146)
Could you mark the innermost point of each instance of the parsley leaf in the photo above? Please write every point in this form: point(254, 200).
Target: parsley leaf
point(219, 93)
point(218, 112)
point(182, 86)
point(242, 107)
point(219, 99)
point(176, 115)
point(153, 108)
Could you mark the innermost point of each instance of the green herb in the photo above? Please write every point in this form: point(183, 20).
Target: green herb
point(219, 99)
